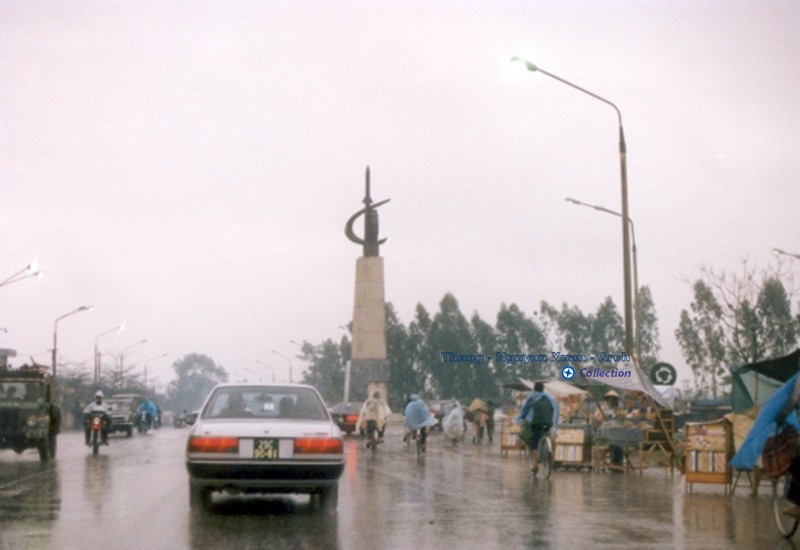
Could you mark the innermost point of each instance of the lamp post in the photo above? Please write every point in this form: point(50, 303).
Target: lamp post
point(290, 363)
point(269, 367)
point(626, 250)
point(145, 367)
point(122, 357)
point(778, 251)
point(55, 334)
point(97, 353)
point(635, 270)
point(21, 275)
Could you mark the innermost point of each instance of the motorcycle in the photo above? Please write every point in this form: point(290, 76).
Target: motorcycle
point(145, 423)
point(95, 420)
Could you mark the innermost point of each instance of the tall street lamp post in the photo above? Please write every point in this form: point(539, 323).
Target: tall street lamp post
point(290, 363)
point(635, 271)
point(97, 353)
point(55, 335)
point(122, 358)
point(145, 367)
point(271, 370)
point(626, 250)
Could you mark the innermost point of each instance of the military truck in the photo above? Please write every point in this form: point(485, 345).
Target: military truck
point(29, 416)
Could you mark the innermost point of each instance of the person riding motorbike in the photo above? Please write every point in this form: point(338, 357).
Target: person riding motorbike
point(97, 406)
point(148, 408)
point(373, 415)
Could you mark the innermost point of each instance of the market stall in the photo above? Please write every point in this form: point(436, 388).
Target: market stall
point(752, 386)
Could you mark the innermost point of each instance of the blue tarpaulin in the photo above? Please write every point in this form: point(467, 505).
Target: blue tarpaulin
point(764, 427)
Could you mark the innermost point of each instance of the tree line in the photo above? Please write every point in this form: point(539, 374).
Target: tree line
point(733, 319)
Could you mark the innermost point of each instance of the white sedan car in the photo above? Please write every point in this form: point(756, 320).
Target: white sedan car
point(256, 438)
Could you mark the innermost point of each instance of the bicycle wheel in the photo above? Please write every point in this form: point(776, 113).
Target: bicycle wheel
point(786, 524)
point(418, 438)
point(546, 457)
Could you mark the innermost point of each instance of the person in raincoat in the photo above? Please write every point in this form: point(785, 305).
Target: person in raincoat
point(478, 410)
point(539, 426)
point(419, 417)
point(453, 423)
point(373, 415)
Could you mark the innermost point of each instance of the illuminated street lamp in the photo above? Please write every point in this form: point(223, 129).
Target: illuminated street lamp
point(626, 250)
point(269, 367)
point(55, 334)
point(635, 271)
point(290, 363)
point(97, 353)
point(778, 251)
point(22, 274)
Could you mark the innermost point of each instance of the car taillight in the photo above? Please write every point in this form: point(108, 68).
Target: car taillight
point(318, 445)
point(351, 418)
point(204, 444)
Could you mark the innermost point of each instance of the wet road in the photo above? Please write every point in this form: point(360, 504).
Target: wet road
point(135, 495)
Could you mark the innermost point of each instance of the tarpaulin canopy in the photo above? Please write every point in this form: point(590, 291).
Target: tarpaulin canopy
point(637, 381)
point(764, 426)
point(754, 384)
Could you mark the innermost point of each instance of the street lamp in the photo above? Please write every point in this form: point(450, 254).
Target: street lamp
point(290, 363)
point(778, 251)
point(55, 333)
point(122, 357)
point(21, 275)
point(269, 367)
point(626, 250)
point(97, 353)
point(145, 367)
point(635, 270)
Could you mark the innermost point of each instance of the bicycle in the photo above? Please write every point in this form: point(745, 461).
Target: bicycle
point(787, 525)
point(372, 435)
point(545, 449)
point(420, 435)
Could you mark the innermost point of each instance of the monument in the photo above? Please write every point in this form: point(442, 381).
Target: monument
point(369, 366)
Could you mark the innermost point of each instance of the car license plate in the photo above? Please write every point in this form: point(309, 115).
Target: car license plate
point(265, 449)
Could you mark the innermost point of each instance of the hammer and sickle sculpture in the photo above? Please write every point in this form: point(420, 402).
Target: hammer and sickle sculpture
point(370, 242)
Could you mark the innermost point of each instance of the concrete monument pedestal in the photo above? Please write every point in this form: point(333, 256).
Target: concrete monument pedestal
point(369, 366)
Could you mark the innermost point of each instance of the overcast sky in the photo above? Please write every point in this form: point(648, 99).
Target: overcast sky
point(187, 168)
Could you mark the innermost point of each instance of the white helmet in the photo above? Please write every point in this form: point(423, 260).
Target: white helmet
point(98, 393)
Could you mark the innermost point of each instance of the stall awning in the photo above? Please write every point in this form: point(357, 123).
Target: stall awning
point(755, 383)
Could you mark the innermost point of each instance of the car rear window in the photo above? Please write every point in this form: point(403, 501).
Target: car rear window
point(265, 402)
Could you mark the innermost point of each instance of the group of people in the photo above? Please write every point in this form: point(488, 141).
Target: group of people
point(98, 405)
point(478, 417)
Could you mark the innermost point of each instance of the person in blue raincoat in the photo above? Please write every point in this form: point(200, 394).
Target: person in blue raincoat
point(149, 408)
point(419, 417)
point(540, 426)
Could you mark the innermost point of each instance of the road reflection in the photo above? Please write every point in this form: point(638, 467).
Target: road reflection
point(30, 492)
point(250, 522)
point(97, 481)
